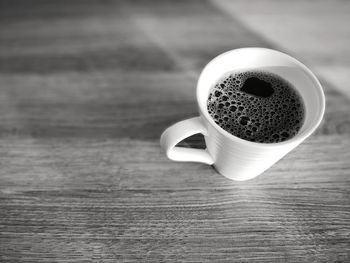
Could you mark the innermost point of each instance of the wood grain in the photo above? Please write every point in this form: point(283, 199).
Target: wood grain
point(87, 87)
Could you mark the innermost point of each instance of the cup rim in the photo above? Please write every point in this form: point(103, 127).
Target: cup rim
point(298, 137)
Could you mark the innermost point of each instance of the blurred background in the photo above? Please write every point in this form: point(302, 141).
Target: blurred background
point(89, 55)
point(87, 87)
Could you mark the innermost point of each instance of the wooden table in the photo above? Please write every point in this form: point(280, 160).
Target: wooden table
point(87, 87)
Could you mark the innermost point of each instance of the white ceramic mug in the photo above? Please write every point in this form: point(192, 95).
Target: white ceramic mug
point(235, 158)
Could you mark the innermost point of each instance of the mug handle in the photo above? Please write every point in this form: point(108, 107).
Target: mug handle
point(180, 131)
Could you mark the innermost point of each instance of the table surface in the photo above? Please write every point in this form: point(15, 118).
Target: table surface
point(87, 87)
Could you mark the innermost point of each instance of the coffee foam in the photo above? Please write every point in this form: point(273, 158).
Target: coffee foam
point(259, 119)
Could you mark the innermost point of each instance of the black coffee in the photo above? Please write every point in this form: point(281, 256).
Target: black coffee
point(256, 106)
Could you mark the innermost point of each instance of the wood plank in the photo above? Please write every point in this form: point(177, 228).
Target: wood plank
point(87, 87)
point(90, 193)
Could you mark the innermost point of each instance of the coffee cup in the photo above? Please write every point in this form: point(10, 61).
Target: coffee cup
point(233, 157)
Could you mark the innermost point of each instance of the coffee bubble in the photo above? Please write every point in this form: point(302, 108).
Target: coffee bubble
point(257, 106)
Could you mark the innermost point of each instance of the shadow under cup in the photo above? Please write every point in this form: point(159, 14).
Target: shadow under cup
point(267, 60)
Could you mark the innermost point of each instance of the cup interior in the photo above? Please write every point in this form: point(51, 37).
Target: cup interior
point(271, 61)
